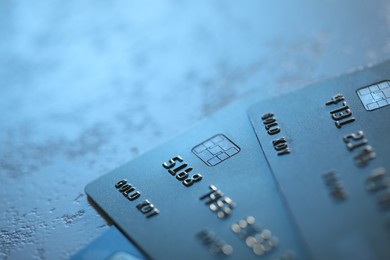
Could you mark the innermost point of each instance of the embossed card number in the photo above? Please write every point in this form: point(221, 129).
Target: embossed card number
point(222, 205)
point(176, 167)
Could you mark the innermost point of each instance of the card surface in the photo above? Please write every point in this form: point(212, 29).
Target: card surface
point(207, 193)
point(329, 148)
point(112, 245)
point(310, 184)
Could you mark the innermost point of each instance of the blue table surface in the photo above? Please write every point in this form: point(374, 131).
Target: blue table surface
point(88, 85)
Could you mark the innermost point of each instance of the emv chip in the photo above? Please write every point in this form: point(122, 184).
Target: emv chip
point(215, 150)
point(375, 96)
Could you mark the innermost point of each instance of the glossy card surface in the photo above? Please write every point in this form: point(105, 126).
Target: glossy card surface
point(112, 245)
point(310, 182)
point(328, 146)
point(207, 193)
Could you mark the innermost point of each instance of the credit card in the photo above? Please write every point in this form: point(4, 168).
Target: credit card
point(329, 148)
point(206, 194)
point(315, 188)
point(112, 245)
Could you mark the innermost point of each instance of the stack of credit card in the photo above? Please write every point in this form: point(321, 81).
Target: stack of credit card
point(302, 176)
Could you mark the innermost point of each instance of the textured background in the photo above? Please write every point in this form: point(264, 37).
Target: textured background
point(87, 85)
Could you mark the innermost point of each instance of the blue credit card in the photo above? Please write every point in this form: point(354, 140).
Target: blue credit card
point(309, 182)
point(207, 193)
point(112, 245)
point(329, 151)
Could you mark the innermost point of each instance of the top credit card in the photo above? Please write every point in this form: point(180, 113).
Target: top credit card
point(320, 191)
point(329, 148)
